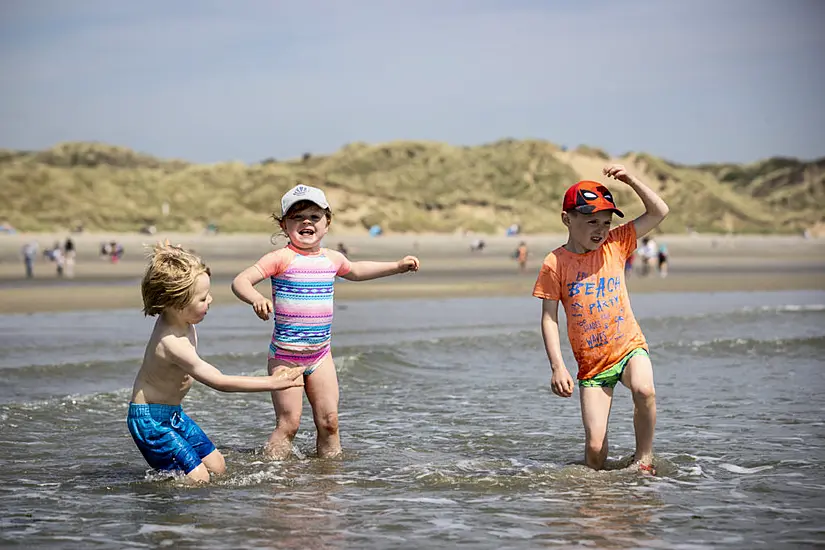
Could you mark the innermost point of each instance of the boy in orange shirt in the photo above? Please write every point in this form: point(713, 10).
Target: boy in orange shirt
point(587, 276)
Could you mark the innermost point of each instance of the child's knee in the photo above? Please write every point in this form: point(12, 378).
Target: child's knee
point(289, 424)
point(645, 394)
point(327, 422)
point(199, 475)
point(595, 445)
point(215, 462)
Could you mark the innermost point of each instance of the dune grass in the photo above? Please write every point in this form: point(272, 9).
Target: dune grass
point(403, 186)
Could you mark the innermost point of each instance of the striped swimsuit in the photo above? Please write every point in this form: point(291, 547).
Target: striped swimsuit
point(302, 292)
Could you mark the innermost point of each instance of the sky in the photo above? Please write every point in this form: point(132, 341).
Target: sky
point(210, 80)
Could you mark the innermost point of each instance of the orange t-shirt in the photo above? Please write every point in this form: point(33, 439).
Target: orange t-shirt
point(591, 287)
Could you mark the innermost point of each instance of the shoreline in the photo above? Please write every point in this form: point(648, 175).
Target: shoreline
point(449, 269)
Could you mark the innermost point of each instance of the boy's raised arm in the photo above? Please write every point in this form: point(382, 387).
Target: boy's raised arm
point(561, 383)
point(180, 352)
point(655, 208)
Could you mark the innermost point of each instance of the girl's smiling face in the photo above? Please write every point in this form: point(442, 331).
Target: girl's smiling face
point(305, 225)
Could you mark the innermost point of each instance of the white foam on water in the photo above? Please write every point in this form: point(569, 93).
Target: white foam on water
point(150, 528)
point(451, 524)
point(424, 500)
point(793, 308)
point(254, 478)
point(733, 468)
point(161, 476)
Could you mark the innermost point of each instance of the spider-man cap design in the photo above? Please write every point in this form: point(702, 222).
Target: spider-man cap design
point(589, 197)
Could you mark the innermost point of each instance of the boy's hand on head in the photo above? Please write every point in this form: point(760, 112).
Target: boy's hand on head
point(262, 308)
point(562, 383)
point(408, 263)
point(618, 172)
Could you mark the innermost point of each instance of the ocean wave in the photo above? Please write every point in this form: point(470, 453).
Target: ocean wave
point(747, 345)
point(64, 402)
point(790, 308)
point(743, 312)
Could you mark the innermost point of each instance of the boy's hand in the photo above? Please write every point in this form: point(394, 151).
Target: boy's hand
point(287, 377)
point(562, 383)
point(263, 308)
point(409, 263)
point(618, 172)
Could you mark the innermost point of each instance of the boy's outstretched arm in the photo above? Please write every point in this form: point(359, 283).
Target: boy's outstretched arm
point(364, 271)
point(181, 352)
point(655, 208)
point(561, 383)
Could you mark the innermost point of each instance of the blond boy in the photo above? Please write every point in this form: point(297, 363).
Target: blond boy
point(176, 287)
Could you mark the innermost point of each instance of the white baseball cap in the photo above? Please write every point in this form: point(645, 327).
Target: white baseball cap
point(303, 193)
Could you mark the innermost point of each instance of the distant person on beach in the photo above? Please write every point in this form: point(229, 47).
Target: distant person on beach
point(302, 276)
point(663, 257)
point(58, 258)
point(115, 251)
point(29, 252)
point(650, 253)
point(587, 276)
point(343, 249)
point(70, 254)
point(176, 287)
point(521, 256)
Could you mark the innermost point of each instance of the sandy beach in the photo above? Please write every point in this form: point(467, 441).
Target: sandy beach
point(449, 268)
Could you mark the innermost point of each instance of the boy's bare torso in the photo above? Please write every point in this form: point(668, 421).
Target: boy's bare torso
point(159, 380)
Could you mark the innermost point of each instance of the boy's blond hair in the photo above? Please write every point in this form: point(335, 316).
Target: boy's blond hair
point(170, 278)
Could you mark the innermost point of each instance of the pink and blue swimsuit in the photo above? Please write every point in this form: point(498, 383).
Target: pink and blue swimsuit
point(302, 292)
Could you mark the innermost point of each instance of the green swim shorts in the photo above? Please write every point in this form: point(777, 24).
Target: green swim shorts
point(610, 377)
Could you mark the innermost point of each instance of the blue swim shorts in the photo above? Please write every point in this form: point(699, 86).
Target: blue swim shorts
point(166, 437)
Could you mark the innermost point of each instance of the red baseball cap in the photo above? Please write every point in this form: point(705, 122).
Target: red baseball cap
point(589, 197)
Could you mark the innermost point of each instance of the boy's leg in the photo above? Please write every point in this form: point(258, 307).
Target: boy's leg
point(214, 462)
point(210, 457)
point(199, 474)
point(638, 377)
point(322, 392)
point(288, 404)
point(595, 404)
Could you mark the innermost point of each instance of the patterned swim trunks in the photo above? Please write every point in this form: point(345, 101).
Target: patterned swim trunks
point(166, 437)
